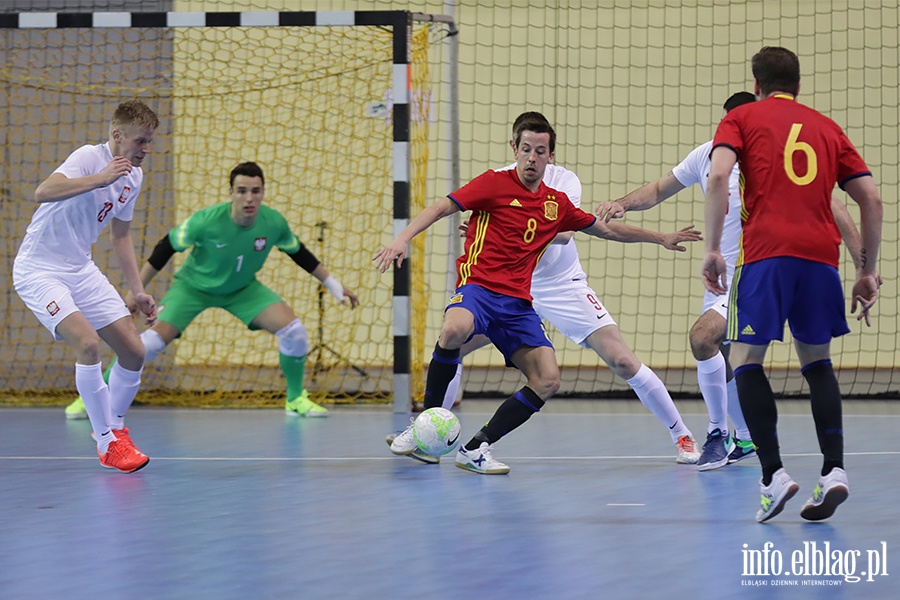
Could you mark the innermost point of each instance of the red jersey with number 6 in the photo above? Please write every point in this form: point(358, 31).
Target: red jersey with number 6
point(509, 230)
point(790, 158)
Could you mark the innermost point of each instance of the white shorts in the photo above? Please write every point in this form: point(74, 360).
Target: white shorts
point(719, 303)
point(54, 296)
point(716, 303)
point(572, 307)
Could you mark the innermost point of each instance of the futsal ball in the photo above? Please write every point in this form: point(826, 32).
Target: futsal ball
point(436, 431)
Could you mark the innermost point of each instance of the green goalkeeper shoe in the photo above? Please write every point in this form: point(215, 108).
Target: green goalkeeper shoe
point(76, 409)
point(304, 407)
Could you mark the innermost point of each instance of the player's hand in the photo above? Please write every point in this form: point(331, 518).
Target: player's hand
point(130, 303)
point(463, 228)
point(117, 167)
point(146, 305)
point(671, 241)
point(393, 251)
point(865, 294)
point(714, 273)
point(350, 298)
point(609, 210)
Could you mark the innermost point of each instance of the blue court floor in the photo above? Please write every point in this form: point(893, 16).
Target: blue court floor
point(252, 504)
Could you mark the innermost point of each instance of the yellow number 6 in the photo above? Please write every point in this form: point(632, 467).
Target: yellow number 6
point(792, 146)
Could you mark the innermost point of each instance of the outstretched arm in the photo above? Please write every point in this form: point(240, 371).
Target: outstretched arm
point(646, 196)
point(309, 263)
point(397, 249)
point(344, 295)
point(622, 232)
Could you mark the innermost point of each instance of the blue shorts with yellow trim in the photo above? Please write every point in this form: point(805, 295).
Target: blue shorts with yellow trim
point(509, 322)
point(808, 295)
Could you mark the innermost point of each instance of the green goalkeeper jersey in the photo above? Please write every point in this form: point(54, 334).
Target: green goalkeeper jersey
point(226, 257)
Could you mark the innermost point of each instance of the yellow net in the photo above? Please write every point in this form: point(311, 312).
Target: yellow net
point(311, 105)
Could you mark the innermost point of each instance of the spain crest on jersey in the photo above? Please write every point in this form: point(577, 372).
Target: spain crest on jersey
point(551, 209)
point(259, 244)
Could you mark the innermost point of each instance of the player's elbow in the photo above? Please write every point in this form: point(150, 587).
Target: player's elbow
point(40, 194)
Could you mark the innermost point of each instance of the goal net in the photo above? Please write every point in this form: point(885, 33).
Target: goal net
point(335, 107)
point(631, 88)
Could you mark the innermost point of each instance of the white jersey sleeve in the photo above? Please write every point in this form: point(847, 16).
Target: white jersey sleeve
point(695, 169)
point(560, 262)
point(62, 234)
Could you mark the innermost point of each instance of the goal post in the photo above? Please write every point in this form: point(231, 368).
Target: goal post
point(341, 109)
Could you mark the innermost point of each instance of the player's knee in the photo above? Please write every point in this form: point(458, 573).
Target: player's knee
point(292, 339)
point(453, 335)
point(624, 364)
point(545, 385)
point(131, 355)
point(88, 349)
point(703, 345)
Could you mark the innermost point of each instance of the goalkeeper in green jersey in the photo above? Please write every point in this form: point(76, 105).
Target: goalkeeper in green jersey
point(230, 242)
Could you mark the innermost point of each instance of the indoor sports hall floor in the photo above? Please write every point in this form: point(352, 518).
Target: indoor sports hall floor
point(252, 504)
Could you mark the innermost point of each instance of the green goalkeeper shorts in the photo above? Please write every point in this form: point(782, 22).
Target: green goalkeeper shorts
point(182, 303)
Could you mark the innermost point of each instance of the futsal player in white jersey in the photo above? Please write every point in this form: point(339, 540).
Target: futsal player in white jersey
point(714, 375)
point(55, 275)
point(562, 296)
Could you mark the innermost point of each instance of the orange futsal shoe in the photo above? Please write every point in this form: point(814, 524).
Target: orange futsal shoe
point(123, 436)
point(122, 455)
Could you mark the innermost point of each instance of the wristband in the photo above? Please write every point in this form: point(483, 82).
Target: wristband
point(334, 286)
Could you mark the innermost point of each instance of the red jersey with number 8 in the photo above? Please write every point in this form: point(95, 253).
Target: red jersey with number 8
point(790, 157)
point(509, 230)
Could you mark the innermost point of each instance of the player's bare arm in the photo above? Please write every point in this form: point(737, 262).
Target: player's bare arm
point(609, 210)
point(865, 291)
point(399, 247)
point(849, 232)
point(59, 187)
point(622, 232)
point(123, 247)
point(344, 295)
point(716, 205)
point(645, 197)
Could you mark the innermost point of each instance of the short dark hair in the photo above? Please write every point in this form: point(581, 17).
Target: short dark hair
point(248, 169)
point(530, 115)
point(537, 125)
point(776, 69)
point(738, 99)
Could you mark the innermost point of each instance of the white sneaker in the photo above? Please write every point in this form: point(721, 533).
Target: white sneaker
point(400, 445)
point(775, 495)
point(480, 461)
point(686, 452)
point(831, 491)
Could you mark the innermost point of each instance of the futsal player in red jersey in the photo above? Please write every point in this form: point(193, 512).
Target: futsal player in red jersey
point(791, 157)
point(515, 216)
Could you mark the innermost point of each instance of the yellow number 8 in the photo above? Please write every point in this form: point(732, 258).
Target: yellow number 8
point(529, 231)
point(792, 146)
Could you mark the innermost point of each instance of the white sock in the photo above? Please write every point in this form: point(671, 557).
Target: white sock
point(95, 394)
point(711, 377)
point(123, 387)
point(153, 344)
point(654, 395)
point(452, 389)
point(734, 411)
